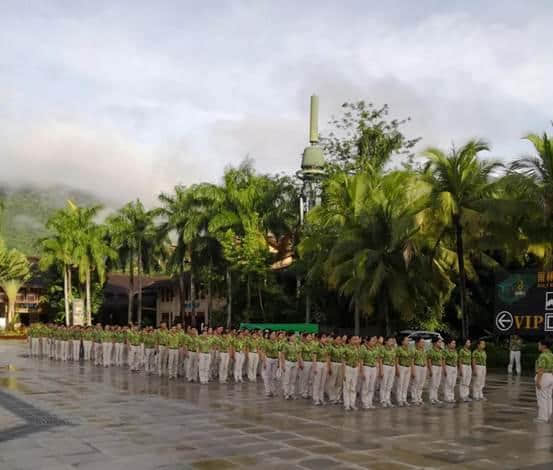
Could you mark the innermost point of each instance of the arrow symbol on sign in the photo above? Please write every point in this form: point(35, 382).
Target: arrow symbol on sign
point(504, 321)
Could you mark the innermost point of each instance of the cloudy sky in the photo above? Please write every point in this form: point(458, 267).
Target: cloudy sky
point(127, 98)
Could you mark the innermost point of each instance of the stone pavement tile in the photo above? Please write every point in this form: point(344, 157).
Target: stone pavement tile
point(390, 466)
point(280, 436)
point(213, 464)
point(326, 450)
point(288, 454)
point(360, 458)
point(302, 443)
point(318, 463)
point(542, 466)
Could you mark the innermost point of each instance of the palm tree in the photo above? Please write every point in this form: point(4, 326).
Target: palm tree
point(134, 233)
point(460, 187)
point(14, 272)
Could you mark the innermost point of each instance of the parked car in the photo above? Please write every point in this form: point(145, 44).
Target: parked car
point(414, 335)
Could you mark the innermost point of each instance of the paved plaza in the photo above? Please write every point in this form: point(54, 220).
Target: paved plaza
point(69, 416)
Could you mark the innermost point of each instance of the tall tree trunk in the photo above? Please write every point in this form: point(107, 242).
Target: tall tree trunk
point(209, 299)
point(192, 290)
point(182, 292)
point(88, 299)
point(131, 288)
point(69, 293)
point(248, 293)
point(11, 312)
point(66, 293)
point(139, 272)
point(462, 281)
point(356, 319)
point(229, 298)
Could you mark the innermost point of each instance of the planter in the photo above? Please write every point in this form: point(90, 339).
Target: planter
point(2, 337)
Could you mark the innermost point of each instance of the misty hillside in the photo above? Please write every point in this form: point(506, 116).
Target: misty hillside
point(27, 208)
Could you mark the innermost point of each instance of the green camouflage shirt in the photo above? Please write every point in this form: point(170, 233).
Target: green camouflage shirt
point(419, 356)
point(352, 356)
point(149, 339)
point(436, 356)
point(173, 340)
point(389, 356)
point(370, 356)
point(404, 356)
point(291, 351)
point(451, 358)
point(134, 338)
point(162, 337)
point(479, 357)
point(545, 362)
point(465, 356)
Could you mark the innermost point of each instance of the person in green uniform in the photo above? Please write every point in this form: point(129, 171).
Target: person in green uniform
point(225, 351)
point(435, 358)
point(88, 338)
point(107, 346)
point(479, 360)
point(353, 369)
point(173, 344)
point(465, 371)
point(204, 357)
point(389, 361)
point(291, 352)
point(269, 361)
point(515, 348)
point(451, 362)
point(162, 352)
point(544, 381)
point(404, 370)
point(419, 373)
point(371, 363)
point(335, 380)
point(135, 339)
point(149, 339)
point(320, 355)
point(305, 366)
point(238, 352)
point(98, 338)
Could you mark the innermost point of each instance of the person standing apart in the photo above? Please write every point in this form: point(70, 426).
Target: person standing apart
point(544, 381)
point(405, 369)
point(435, 359)
point(515, 348)
point(479, 359)
point(465, 371)
point(389, 361)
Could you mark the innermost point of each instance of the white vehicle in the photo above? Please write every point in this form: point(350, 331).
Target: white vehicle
point(413, 336)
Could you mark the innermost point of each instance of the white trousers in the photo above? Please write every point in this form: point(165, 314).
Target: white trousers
point(224, 359)
point(544, 397)
point(183, 362)
point(289, 378)
point(98, 354)
point(319, 374)
point(418, 383)
point(351, 375)
point(204, 362)
point(239, 358)
point(149, 360)
point(253, 361)
point(173, 363)
point(107, 349)
point(478, 382)
point(35, 346)
point(304, 379)
point(136, 357)
point(268, 373)
point(162, 360)
point(464, 381)
point(449, 384)
point(368, 386)
point(118, 354)
point(192, 369)
point(386, 384)
point(514, 358)
point(403, 384)
point(335, 382)
point(435, 382)
point(87, 349)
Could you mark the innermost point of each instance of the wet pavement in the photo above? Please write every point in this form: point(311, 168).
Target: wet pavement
point(69, 416)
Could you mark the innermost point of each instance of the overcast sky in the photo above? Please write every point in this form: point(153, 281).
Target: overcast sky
point(128, 98)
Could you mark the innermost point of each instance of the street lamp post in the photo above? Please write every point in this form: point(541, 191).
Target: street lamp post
point(311, 174)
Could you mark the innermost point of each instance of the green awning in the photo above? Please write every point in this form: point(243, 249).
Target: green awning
point(295, 327)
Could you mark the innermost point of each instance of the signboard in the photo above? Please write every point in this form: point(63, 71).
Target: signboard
point(78, 312)
point(524, 303)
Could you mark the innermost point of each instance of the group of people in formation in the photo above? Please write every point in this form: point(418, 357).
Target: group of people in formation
point(324, 368)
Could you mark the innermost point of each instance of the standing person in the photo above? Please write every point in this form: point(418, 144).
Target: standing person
point(269, 364)
point(162, 352)
point(321, 369)
point(465, 371)
point(335, 380)
point(107, 346)
point(134, 338)
point(238, 347)
point(98, 338)
point(435, 358)
point(253, 358)
point(149, 339)
point(479, 359)
point(204, 357)
point(405, 369)
point(173, 354)
point(76, 341)
point(451, 363)
point(64, 342)
point(290, 356)
point(544, 381)
point(305, 366)
point(389, 361)
point(88, 337)
point(192, 355)
point(353, 368)
point(225, 351)
point(419, 376)
point(515, 348)
point(371, 368)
